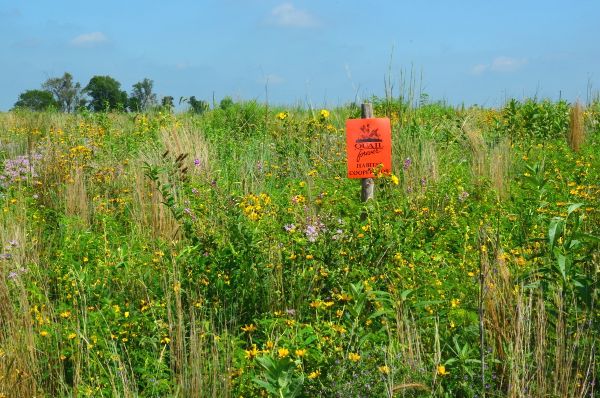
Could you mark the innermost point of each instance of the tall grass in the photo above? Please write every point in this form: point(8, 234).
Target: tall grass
point(142, 260)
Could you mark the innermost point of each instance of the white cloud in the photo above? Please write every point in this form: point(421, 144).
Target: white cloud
point(507, 64)
point(89, 39)
point(479, 69)
point(287, 15)
point(500, 64)
point(183, 65)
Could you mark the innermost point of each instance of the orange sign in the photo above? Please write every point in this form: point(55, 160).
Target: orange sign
point(369, 145)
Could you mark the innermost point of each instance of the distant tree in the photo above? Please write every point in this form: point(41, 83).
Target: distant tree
point(105, 93)
point(66, 93)
point(37, 100)
point(198, 106)
point(142, 97)
point(167, 102)
point(225, 103)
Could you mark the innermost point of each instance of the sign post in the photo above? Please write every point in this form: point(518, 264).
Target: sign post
point(369, 148)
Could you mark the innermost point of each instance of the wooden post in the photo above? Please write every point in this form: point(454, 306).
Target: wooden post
point(368, 186)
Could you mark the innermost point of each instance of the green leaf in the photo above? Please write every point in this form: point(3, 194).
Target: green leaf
point(555, 224)
point(265, 385)
point(405, 294)
point(561, 261)
point(573, 207)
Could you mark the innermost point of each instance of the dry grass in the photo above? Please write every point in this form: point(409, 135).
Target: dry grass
point(499, 167)
point(576, 133)
point(476, 144)
point(531, 338)
point(19, 366)
point(183, 149)
point(488, 162)
point(75, 196)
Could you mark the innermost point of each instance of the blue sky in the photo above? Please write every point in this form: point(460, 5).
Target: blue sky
point(314, 52)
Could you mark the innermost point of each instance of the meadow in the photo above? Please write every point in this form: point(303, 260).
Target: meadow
point(227, 255)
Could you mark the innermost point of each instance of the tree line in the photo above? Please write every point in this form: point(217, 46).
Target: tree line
point(102, 93)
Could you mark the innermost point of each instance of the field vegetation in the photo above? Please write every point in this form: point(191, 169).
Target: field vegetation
point(224, 253)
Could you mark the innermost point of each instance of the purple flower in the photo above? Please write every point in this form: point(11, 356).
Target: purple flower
point(311, 233)
point(190, 213)
point(338, 234)
point(289, 227)
point(14, 274)
point(197, 162)
point(5, 256)
point(463, 196)
point(407, 163)
point(259, 166)
point(194, 191)
point(423, 181)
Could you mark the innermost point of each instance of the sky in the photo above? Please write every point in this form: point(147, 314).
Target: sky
point(310, 53)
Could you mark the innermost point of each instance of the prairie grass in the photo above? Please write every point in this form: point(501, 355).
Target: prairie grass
point(576, 134)
point(228, 255)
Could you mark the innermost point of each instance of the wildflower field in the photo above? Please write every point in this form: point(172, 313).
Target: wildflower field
point(227, 255)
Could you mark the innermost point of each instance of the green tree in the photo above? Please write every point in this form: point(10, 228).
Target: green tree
point(66, 93)
point(105, 93)
point(142, 97)
point(37, 100)
point(226, 103)
point(198, 106)
point(167, 102)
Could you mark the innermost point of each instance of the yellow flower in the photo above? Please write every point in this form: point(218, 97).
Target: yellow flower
point(43, 333)
point(252, 352)
point(282, 115)
point(71, 336)
point(283, 352)
point(354, 357)
point(384, 369)
point(300, 353)
point(314, 375)
point(441, 370)
point(316, 304)
point(269, 344)
point(395, 180)
point(454, 303)
point(249, 328)
point(309, 257)
point(324, 113)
